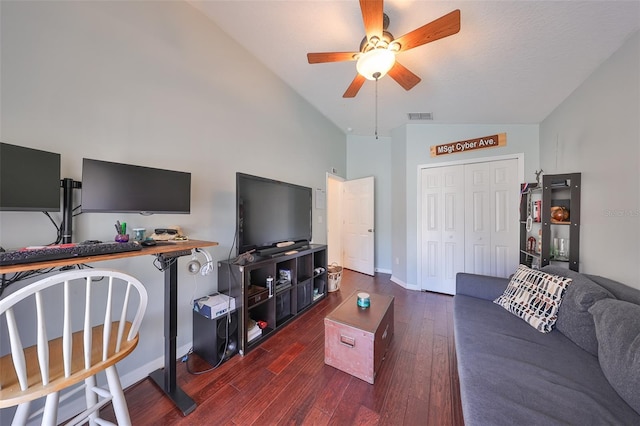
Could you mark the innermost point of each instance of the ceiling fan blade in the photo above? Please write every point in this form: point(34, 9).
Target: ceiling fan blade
point(318, 58)
point(372, 17)
point(354, 87)
point(403, 76)
point(444, 26)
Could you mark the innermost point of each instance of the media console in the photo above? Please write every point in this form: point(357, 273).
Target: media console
point(299, 282)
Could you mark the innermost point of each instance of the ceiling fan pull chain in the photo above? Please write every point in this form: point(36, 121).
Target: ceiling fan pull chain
point(376, 106)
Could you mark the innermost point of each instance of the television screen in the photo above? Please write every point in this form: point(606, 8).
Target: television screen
point(269, 212)
point(125, 188)
point(29, 179)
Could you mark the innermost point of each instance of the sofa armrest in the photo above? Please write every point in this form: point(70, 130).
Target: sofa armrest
point(480, 286)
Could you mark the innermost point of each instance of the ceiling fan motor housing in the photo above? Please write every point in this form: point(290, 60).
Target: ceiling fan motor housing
point(376, 43)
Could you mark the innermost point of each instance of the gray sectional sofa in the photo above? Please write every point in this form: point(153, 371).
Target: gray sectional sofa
point(586, 371)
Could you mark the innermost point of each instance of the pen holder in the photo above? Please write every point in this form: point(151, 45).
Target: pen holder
point(122, 238)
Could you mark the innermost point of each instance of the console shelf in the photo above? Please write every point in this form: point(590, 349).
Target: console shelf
point(297, 286)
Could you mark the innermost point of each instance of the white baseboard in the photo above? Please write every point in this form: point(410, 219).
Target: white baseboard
point(384, 271)
point(404, 285)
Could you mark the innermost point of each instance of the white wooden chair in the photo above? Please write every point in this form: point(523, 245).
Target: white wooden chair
point(108, 314)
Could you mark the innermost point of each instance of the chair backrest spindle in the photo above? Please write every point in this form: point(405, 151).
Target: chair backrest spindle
point(87, 324)
point(123, 315)
point(17, 350)
point(43, 341)
point(106, 331)
point(67, 347)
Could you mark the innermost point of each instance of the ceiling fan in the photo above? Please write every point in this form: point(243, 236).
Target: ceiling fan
point(379, 48)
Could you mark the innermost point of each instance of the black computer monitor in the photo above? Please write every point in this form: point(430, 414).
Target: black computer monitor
point(29, 179)
point(126, 188)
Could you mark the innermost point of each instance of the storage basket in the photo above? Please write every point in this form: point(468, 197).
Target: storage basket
point(334, 272)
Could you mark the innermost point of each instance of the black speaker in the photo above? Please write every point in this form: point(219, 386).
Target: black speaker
point(215, 340)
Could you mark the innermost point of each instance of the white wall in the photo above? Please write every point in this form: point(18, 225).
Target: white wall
point(596, 131)
point(368, 156)
point(398, 205)
point(155, 84)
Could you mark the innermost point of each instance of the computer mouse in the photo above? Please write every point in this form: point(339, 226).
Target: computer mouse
point(148, 243)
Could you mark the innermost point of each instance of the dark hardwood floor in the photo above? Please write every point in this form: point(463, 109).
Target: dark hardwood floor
point(285, 380)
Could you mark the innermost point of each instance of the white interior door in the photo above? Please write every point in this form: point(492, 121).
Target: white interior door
point(358, 226)
point(505, 201)
point(442, 218)
point(477, 255)
point(491, 239)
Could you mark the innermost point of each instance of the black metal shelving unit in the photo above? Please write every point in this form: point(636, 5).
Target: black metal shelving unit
point(558, 190)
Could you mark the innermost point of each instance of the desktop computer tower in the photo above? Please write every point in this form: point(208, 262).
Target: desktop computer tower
point(210, 337)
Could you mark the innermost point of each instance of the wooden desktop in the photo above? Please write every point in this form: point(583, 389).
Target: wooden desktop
point(153, 250)
point(165, 377)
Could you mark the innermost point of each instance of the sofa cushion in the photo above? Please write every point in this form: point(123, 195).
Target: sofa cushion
point(535, 297)
point(480, 286)
point(574, 319)
point(618, 330)
point(619, 290)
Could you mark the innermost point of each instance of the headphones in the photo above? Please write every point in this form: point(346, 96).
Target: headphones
point(194, 265)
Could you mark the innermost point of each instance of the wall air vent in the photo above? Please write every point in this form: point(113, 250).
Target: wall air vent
point(420, 116)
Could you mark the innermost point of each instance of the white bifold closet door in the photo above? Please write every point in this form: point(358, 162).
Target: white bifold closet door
point(468, 221)
point(442, 218)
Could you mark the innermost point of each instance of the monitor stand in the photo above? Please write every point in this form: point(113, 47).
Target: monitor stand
point(68, 185)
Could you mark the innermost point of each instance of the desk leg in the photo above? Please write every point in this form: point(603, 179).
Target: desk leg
point(166, 378)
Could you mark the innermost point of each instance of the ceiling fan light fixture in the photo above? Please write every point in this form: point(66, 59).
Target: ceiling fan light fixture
point(375, 63)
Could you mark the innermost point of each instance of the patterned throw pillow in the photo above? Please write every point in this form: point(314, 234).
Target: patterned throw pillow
point(535, 297)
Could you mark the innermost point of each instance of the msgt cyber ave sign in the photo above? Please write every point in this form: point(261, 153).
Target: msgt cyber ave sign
point(469, 145)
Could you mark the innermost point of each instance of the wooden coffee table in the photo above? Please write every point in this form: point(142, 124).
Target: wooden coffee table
point(356, 340)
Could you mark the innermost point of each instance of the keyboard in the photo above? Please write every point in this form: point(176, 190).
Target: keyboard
point(64, 251)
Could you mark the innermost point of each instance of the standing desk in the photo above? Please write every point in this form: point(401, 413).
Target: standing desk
point(165, 377)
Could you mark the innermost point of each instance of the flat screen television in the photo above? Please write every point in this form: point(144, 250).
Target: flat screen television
point(126, 188)
point(269, 212)
point(29, 179)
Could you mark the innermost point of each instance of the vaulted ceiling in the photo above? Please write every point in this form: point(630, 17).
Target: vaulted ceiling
point(512, 62)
